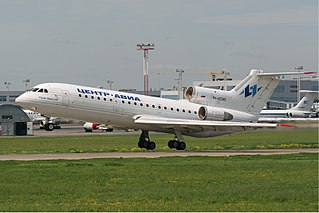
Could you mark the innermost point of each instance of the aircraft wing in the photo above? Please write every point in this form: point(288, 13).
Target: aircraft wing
point(178, 124)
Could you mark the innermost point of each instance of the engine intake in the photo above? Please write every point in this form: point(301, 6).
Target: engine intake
point(195, 92)
point(213, 114)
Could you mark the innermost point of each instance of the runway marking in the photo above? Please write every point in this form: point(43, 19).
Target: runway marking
point(79, 156)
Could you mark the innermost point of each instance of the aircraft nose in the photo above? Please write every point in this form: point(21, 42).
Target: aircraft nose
point(23, 99)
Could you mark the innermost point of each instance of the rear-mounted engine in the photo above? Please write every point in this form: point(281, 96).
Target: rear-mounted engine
point(213, 114)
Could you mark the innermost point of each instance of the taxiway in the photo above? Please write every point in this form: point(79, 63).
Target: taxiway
point(79, 156)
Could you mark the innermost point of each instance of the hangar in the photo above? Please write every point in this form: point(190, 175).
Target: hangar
point(14, 121)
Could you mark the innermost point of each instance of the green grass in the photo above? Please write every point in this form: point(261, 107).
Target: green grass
point(239, 183)
point(296, 138)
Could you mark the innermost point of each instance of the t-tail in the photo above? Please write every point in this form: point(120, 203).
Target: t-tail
point(249, 96)
point(307, 101)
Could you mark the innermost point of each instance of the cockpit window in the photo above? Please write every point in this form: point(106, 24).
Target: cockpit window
point(39, 90)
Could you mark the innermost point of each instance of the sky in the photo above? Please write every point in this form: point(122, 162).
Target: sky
point(89, 42)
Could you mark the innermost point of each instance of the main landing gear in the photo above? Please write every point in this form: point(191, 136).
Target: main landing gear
point(145, 142)
point(177, 143)
point(174, 144)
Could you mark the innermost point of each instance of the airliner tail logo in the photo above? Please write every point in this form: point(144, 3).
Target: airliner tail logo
point(250, 90)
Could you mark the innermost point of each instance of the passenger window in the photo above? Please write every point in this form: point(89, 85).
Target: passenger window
point(129, 102)
point(147, 105)
point(123, 102)
point(183, 110)
point(153, 106)
point(92, 97)
point(172, 108)
point(189, 111)
point(80, 95)
point(98, 98)
point(165, 108)
point(86, 96)
point(177, 110)
point(135, 103)
point(141, 104)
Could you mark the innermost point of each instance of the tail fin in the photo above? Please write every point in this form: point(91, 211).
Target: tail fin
point(306, 102)
point(252, 93)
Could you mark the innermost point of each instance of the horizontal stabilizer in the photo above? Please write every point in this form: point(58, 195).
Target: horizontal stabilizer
point(284, 73)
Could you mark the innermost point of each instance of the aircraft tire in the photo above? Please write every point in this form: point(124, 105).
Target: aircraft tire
point(147, 145)
point(171, 144)
point(49, 127)
point(181, 146)
point(140, 144)
point(151, 145)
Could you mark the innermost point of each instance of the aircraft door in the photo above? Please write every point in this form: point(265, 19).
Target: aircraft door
point(65, 97)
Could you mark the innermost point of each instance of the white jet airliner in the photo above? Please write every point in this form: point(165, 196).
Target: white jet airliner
point(206, 113)
point(301, 110)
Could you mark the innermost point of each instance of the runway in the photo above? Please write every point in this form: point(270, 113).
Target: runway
point(79, 156)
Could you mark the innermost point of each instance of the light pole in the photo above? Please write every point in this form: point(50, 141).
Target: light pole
point(110, 84)
point(26, 81)
point(145, 48)
point(299, 68)
point(180, 82)
point(7, 85)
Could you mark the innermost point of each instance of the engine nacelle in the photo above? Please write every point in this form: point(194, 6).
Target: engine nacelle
point(195, 92)
point(88, 126)
point(213, 114)
point(296, 114)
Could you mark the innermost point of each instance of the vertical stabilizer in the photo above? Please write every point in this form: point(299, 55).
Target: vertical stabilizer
point(251, 94)
point(307, 101)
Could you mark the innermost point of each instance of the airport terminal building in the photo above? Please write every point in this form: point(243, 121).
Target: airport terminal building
point(8, 97)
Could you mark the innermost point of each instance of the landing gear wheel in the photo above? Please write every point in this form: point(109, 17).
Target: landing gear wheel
point(171, 144)
point(140, 144)
point(49, 127)
point(147, 145)
point(145, 142)
point(151, 145)
point(179, 145)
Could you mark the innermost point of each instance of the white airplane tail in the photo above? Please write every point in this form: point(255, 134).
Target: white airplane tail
point(249, 96)
point(307, 101)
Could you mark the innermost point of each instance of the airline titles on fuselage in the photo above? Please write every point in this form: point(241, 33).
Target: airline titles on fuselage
point(101, 93)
